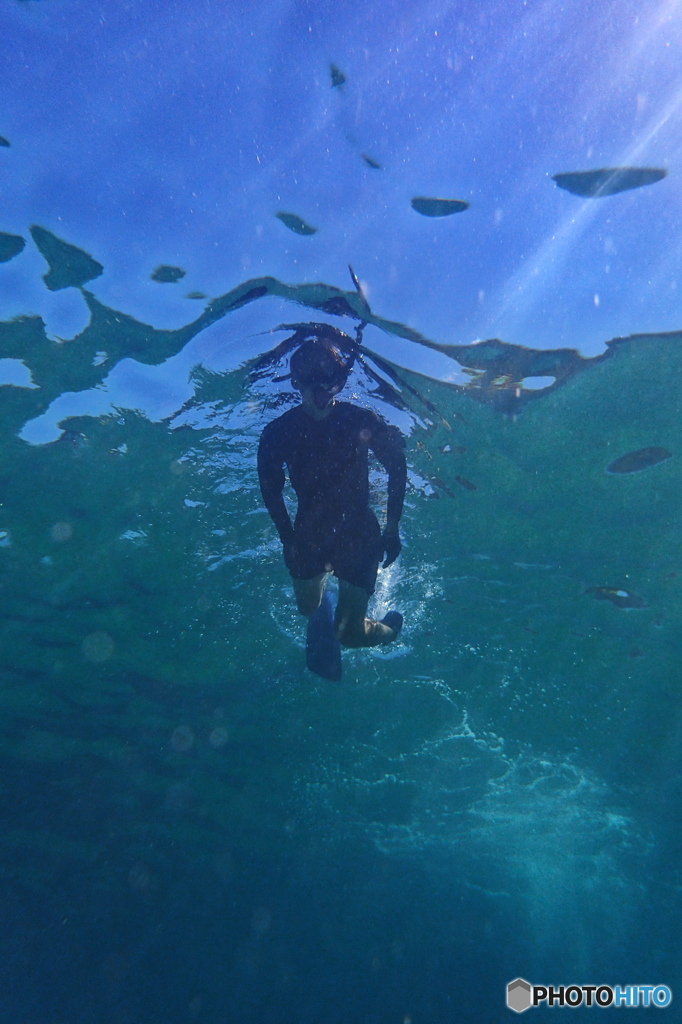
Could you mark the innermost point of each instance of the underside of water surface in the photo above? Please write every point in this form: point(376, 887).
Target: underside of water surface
point(165, 752)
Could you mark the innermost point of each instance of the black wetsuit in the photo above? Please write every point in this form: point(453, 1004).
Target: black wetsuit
point(327, 462)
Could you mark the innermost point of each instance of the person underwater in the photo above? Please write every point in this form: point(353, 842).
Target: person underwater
point(324, 445)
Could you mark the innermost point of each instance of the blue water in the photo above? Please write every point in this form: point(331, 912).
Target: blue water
point(195, 828)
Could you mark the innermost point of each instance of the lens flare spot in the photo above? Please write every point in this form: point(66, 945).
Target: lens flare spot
point(219, 737)
point(182, 739)
point(98, 647)
point(61, 531)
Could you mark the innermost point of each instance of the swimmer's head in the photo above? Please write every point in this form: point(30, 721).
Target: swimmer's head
point(319, 366)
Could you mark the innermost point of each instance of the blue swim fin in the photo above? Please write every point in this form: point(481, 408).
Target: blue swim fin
point(322, 648)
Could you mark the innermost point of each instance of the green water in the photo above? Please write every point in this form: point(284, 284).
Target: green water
point(155, 705)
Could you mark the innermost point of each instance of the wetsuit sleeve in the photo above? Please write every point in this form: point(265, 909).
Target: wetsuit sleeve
point(388, 444)
point(271, 480)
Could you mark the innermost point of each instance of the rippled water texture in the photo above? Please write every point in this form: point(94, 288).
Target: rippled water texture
point(168, 760)
point(194, 829)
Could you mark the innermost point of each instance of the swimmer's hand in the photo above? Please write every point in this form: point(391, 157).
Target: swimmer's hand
point(392, 546)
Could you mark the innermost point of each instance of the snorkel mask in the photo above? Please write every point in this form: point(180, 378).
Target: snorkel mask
point(320, 369)
point(323, 387)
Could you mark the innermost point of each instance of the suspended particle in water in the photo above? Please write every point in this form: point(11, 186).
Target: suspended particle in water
point(182, 739)
point(97, 647)
point(61, 532)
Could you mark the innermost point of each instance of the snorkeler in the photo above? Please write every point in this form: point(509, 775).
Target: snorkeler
point(324, 445)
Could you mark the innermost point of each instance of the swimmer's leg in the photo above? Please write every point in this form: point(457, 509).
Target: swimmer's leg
point(353, 628)
point(309, 593)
